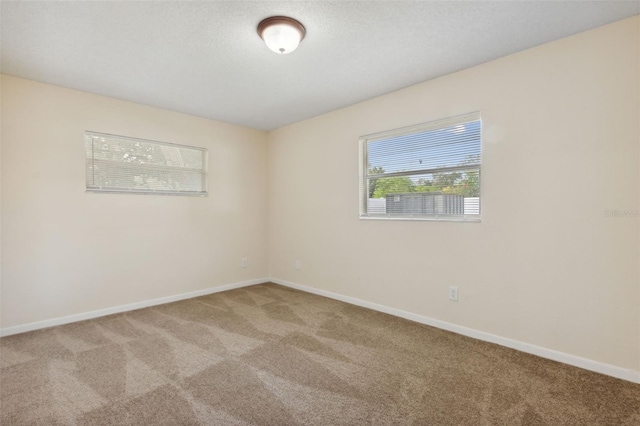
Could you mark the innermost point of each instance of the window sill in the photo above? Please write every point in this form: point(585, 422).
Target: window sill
point(422, 218)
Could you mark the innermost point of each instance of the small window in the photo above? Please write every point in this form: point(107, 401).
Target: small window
point(428, 171)
point(122, 164)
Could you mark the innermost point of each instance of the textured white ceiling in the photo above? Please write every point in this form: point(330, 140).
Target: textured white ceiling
point(206, 59)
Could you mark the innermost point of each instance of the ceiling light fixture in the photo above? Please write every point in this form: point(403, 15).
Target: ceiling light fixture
point(281, 34)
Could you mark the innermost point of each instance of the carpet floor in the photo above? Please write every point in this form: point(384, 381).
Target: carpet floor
point(270, 355)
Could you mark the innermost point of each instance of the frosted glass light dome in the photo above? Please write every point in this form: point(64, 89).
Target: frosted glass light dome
point(281, 34)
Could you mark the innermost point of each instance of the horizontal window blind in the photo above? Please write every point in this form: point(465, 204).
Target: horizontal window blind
point(123, 164)
point(428, 171)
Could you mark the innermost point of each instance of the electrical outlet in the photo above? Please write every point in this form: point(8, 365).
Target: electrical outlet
point(453, 293)
point(245, 262)
point(298, 265)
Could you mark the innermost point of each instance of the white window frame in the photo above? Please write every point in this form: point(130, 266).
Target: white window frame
point(423, 127)
point(91, 186)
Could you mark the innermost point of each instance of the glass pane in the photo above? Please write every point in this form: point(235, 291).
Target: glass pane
point(122, 164)
point(450, 193)
point(452, 146)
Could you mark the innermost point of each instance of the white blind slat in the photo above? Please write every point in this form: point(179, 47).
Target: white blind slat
point(121, 164)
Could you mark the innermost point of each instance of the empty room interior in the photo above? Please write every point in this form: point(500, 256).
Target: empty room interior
point(327, 213)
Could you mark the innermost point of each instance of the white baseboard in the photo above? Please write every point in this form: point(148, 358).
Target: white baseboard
point(576, 361)
point(124, 308)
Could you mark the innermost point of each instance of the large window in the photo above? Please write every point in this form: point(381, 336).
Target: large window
point(122, 164)
point(428, 171)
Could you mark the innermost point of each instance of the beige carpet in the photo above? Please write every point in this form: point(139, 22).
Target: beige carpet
point(269, 355)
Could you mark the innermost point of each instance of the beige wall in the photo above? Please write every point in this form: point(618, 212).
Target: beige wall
point(545, 266)
point(65, 251)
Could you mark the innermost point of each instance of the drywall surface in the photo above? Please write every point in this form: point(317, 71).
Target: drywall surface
point(66, 251)
point(547, 265)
